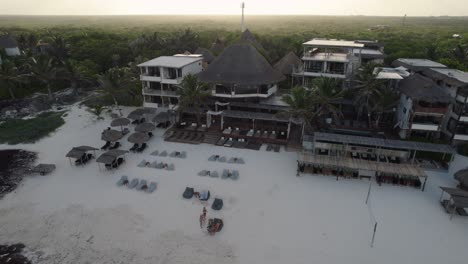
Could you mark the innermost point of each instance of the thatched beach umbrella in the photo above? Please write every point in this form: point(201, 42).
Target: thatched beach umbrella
point(122, 121)
point(138, 138)
point(140, 112)
point(78, 152)
point(110, 156)
point(164, 117)
point(145, 127)
point(111, 135)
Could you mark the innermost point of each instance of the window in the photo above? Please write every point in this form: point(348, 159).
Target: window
point(404, 110)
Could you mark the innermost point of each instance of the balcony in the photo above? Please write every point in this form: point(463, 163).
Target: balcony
point(157, 92)
point(425, 127)
point(150, 78)
point(323, 56)
point(226, 93)
point(427, 110)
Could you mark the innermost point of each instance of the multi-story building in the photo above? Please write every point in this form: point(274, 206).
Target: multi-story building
point(373, 52)
point(160, 77)
point(423, 107)
point(417, 65)
point(331, 59)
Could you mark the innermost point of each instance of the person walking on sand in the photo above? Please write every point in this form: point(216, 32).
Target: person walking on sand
point(202, 221)
point(204, 212)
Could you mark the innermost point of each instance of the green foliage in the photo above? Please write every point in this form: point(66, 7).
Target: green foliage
point(192, 93)
point(16, 131)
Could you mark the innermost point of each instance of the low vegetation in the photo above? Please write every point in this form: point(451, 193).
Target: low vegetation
point(16, 131)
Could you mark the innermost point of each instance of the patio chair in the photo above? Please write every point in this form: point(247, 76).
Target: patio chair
point(143, 164)
point(229, 143)
point(227, 131)
point(152, 187)
point(142, 186)
point(236, 131)
point(133, 183)
point(222, 159)
point(234, 175)
point(123, 181)
point(213, 174)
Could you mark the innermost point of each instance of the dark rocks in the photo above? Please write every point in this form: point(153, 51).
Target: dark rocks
point(14, 165)
point(11, 254)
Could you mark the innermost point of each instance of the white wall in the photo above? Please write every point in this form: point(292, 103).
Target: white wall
point(402, 117)
point(193, 68)
point(12, 51)
point(459, 163)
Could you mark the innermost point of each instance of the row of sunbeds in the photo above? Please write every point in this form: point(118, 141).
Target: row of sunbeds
point(156, 165)
point(139, 185)
point(226, 174)
point(234, 160)
point(173, 154)
point(257, 134)
point(192, 126)
point(186, 137)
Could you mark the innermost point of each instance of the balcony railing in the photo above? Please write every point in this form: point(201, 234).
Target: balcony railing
point(157, 92)
point(430, 110)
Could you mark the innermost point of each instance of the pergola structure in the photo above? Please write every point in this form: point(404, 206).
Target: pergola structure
point(457, 202)
point(361, 166)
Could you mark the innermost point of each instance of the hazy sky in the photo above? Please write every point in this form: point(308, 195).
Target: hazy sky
point(311, 7)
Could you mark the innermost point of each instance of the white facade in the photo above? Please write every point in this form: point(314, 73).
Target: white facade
point(12, 51)
point(161, 75)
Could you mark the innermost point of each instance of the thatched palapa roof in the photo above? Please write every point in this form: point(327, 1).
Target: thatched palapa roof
point(422, 88)
point(287, 64)
point(249, 37)
point(121, 121)
point(206, 53)
point(140, 112)
point(111, 135)
point(145, 127)
point(110, 156)
point(138, 138)
point(241, 64)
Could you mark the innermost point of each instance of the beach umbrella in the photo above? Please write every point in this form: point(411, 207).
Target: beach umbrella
point(75, 153)
point(163, 117)
point(111, 135)
point(462, 177)
point(138, 138)
point(145, 127)
point(140, 112)
point(122, 121)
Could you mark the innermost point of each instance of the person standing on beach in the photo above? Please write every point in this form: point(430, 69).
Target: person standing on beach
point(204, 212)
point(202, 221)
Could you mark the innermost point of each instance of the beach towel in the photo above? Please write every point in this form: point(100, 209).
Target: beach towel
point(217, 204)
point(204, 196)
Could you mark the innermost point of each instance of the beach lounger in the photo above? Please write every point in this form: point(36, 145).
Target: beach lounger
point(188, 193)
point(240, 161)
point(173, 154)
point(202, 128)
point(163, 154)
point(236, 131)
point(221, 141)
point(193, 127)
point(115, 146)
point(152, 187)
point(227, 131)
point(269, 147)
point(153, 165)
point(170, 167)
point(250, 133)
point(122, 181)
point(234, 175)
point(217, 204)
point(143, 164)
point(183, 155)
point(159, 165)
point(225, 174)
point(229, 143)
point(213, 174)
point(133, 183)
point(276, 148)
point(203, 173)
point(141, 148)
point(204, 195)
point(232, 160)
point(134, 148)
point(142, 186)
point(222, 159)
point(258, 133)
point(154, 153)
point(265, 134)
point(213, 158)
point(106, 146)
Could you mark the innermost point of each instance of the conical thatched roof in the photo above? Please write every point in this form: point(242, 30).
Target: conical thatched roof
point(121, 121)
point(218, 46)
point(145, 127)
point(111, 135)
point(422, 88)
point(249, 37)
point(287, 64)
point(241, 64)
point(207, 54)
point(138, 138)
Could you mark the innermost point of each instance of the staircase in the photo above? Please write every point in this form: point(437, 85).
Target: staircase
point(211, 137)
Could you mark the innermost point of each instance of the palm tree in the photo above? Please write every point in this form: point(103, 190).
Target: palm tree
point(461, 54)
point(192, 94)
point(300, 103)
point(10, 76)
point(384, 103)
point(60, 49)
point(367, 89)
point(326, 93)
point(115, 81)
point(75, 74)
point(44, 70)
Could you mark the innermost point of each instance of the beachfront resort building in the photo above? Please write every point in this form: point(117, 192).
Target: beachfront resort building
point(161, 75)
point(329, 58)
point(9, 46)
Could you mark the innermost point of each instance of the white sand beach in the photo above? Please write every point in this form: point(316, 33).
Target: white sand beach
point(79, 215)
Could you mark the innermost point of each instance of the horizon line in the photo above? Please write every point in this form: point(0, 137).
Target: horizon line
point(299, 14)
